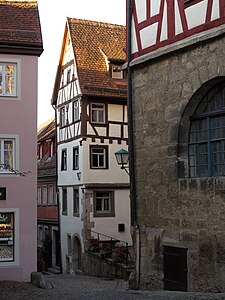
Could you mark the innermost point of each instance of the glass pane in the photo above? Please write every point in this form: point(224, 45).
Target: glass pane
point(106, 204)
point(8, 154)
point(101, 161)
point(99, 204)
point(9, 79)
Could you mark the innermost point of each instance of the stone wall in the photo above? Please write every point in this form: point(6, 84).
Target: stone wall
point(172, 208)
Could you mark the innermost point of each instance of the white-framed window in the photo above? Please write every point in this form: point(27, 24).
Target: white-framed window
point(75, 111)
point(44, 195)
point(117, 72)
point(9, 153)
point(76, 202)
point(98, 113)
point(64, 160)
point(8, 79)
point(50, 194)
point(98, 157)
point(39, 195)
point(104, 204)
point(7, 237)
point(75, 158)
point(62, 116)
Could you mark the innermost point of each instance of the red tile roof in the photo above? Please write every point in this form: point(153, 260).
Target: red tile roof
point(20, 28)
point(92, 40)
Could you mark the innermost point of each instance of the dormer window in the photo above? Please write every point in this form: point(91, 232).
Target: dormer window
point(116, 72)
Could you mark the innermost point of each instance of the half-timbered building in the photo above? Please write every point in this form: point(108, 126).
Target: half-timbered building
point(90, 99)
point(176, 69)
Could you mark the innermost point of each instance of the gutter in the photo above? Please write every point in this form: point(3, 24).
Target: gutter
point(57, 191)
point(132, 169)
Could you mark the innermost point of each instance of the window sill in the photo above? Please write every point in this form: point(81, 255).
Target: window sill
point(104, 215)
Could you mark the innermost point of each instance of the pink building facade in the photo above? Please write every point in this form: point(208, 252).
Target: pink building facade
point(20, 46)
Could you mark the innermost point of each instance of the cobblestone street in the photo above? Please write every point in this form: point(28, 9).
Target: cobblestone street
point(85, 287)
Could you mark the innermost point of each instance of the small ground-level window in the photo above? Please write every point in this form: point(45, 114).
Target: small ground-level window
point(6, 237)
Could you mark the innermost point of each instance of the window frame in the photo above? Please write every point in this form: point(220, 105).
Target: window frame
point(64, 159)
point(76, 158)
point(8, 241)
point(44, 195)
point(76, 111)
point(50, 194)
point(105, 155)
point(17, 94)
point(98, 110)
point(104, 213)
point(114, 72)
point(76, 203)
point(15, 165)
point(63, 116)
point(39, 192)
point(207, 131)
point(64, 201)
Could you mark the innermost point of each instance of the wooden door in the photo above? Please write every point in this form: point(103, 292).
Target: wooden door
point(175, 269)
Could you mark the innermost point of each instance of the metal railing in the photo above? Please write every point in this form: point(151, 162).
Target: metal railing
point(110, 247)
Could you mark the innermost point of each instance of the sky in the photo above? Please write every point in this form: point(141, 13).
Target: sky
point(53, 15)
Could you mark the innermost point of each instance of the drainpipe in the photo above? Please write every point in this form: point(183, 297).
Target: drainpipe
point(57, 191)
point(133, 202)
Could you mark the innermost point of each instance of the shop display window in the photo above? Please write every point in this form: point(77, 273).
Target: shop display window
point(6, 237)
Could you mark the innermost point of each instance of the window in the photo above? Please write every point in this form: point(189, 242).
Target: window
point(68, 76)
point(99, 157)
point(64, 201)
point(50, 194)
point(104, 204)
point(50, 149)
point(8, 79)
point(117, 72)
point(207, 135)
point(7, 154)
point(97, 113)
point(44, 196)
point(40, 235)
point(62, 117)
point(75, 111)
point(76, 202)
point(6, 237)
point(39, 195)
point(64, 160)
point(75, 158)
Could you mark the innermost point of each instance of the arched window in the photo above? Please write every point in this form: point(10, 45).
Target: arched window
point(207, 135)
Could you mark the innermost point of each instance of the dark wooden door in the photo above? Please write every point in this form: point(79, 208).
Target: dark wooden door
point(175, 269)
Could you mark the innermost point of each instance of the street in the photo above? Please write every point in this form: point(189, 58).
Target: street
point(68, 287)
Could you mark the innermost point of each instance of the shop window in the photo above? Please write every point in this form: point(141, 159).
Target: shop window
point(6, 237)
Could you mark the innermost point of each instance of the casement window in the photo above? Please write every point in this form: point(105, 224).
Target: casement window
point(104, 204)
point(50, 149)
point(44, 195)
point(75, 111)
point(8, 79)
point(99, 157)
point(6, 237)
point(117, 72)
point(98, 113)
point(207, 135)
point(50, 194)
point(64, 201)
point(64, 160)
point(7, 154)
point(39, 195)
point(76, 202)
point(75, 158)
point(62, 116)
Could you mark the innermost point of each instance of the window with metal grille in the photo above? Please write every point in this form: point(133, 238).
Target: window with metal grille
point(207, 135)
